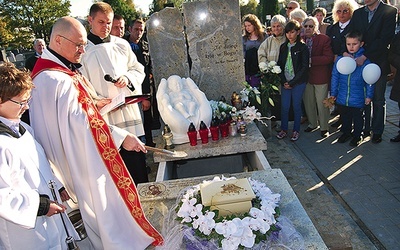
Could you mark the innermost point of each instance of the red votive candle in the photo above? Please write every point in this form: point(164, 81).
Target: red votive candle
point(203, 133)
point(192, 134)
point(214, 129)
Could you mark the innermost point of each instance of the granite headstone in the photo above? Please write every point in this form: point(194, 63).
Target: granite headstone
point(214, 36)
point(167, 44)
point(210, 31)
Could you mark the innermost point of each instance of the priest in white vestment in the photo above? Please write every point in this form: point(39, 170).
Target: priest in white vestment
point(82, 146)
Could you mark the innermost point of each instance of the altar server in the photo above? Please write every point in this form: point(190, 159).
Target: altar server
point(29, 216)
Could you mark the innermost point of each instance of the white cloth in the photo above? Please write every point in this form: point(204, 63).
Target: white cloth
point(24, 174)
point(116, 59)
point(61, 126)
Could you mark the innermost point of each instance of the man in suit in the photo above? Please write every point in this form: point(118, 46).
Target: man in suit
point(38, 45)
point(376, 21)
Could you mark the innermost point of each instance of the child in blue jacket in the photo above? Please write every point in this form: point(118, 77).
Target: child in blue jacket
point(351, 92)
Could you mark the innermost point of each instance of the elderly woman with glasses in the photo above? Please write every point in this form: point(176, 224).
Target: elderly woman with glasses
point(320, 63)
point(342, 12)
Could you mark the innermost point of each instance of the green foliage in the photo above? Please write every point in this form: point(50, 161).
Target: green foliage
point(26, 20)
point(310, 6)
point(250, 8)
point(124, 8)
point(268, 7)
point(157, 5)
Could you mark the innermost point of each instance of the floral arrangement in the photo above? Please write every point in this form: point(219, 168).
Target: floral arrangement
point(232, 232)
point(263, 95)
point(220, 107)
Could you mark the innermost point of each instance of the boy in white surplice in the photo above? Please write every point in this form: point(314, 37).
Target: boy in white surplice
point(29, 218)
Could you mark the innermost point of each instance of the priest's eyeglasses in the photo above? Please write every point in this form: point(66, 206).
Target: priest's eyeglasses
point(22, 104)
point(77, 45)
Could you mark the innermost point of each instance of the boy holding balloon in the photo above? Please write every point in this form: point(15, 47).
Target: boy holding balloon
point(350, 90)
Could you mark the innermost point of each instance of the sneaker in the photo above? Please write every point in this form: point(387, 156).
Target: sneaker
point(295, 136)
point(324, 133)
point(355, 141)
point(282, 134)
point(344, 137)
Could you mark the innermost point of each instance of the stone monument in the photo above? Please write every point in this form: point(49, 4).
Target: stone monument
point(208, 42)
point(167, 44)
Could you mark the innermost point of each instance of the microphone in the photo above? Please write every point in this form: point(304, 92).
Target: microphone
point(108, 78)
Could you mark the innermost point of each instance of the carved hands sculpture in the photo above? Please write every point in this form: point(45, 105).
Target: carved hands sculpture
point(181, 102)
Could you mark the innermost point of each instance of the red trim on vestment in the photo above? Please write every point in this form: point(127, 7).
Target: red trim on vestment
point(107, 148)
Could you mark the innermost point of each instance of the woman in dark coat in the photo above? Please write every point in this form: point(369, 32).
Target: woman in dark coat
point(394, 59)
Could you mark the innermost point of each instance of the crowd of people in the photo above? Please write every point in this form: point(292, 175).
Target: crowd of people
point(363, 33)
point(97, 159)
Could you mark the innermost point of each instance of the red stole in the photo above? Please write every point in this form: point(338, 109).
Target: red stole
point(106, 146)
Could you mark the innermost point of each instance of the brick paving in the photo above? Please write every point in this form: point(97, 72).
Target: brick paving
point(351, 194)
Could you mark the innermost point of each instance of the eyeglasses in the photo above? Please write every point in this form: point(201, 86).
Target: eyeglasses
point(77, 45)
point(289, 8)
point(22, 104)
point(308, 26)
point(342, 11)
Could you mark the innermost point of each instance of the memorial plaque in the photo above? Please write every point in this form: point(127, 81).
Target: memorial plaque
point(214, 37)
point(211, 32)
point(167, 44)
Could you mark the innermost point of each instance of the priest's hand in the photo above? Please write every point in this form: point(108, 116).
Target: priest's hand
point(132, 143)
point(102, 102)
point(55, 208)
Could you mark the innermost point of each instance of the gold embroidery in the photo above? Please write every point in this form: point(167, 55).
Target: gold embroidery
point(124, 182)
point(137, 212)
point(109, 154)
point(103, 138)
point(131, 197)
point(96, 123)
point(116, 168)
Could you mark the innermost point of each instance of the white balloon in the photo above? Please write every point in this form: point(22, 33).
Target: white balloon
point(371, 73)
point(346, 65)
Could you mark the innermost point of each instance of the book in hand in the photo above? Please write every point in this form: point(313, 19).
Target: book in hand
point(120, 100)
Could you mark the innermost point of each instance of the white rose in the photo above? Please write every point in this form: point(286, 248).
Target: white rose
point(271, 64)
point(276, 69)
point(263, 66)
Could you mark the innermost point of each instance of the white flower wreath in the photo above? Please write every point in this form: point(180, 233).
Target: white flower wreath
point(232, 231)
